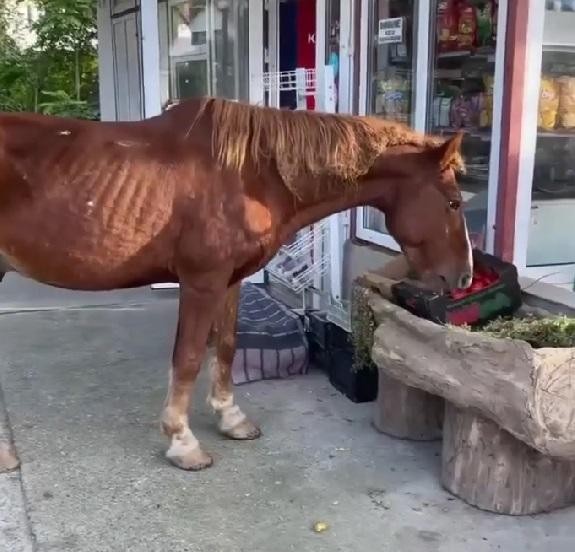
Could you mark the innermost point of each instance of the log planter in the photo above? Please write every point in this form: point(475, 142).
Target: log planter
point(506, 411)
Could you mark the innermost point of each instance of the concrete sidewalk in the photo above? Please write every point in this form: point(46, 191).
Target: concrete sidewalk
point(83, 390)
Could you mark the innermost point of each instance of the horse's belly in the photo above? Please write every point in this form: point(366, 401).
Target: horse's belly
point(98, 264)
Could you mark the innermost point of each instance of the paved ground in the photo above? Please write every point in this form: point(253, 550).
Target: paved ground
point(83, 389)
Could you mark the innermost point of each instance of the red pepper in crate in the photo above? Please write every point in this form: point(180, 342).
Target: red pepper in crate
point(494, 292)
point(483, 277)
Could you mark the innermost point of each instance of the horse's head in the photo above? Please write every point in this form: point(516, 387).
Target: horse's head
point(425, 215)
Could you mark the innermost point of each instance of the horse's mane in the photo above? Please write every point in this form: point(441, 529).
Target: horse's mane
point(304, 143)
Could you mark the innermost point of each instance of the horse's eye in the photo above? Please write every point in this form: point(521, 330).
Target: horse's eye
point(454, 204)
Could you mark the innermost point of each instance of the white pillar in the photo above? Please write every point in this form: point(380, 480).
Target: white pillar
point(106, 62)
point(151, 58)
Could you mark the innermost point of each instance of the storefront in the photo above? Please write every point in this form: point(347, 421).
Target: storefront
point(503, 71)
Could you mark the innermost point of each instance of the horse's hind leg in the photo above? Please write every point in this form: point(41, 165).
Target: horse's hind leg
point(232, 421)
point(200, 302)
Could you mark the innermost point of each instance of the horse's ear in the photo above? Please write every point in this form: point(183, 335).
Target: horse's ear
point(449, 153)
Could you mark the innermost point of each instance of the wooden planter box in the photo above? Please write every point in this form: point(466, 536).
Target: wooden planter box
point(505, 411)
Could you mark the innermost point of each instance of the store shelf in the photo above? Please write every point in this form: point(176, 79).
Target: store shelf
point(556, 134)
point(489, 54)
point(484, 135)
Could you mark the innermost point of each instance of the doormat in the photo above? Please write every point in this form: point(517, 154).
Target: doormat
point(271, 341)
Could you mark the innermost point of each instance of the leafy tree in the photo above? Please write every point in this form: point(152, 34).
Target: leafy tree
point(58, 74)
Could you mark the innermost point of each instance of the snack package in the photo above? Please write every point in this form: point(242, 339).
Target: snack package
point(548, 104)
point(484, 18)
point(435, 111)
point(566, 101)
point(466, 26)
point(462, 113)
point(445, 112)
point(446, 25)
point(494, 26)
point(486, 113)
point(477, 108)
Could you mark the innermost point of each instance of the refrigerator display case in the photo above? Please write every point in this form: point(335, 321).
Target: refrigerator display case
point(461, 95)
point(550, 245)
point(440, 72)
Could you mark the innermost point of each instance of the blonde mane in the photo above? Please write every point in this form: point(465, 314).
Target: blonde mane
point(303, 143)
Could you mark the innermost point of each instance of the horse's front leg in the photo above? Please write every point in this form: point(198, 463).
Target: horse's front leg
point(232, 421)
point(200, 302)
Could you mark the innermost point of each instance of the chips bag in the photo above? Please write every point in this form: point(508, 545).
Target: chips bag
point(466, 26)
point(446, 25)
point(548, 104)
point(567, 102)
point(486, 114)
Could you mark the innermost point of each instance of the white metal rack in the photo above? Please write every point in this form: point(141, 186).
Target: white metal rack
point(312, 262)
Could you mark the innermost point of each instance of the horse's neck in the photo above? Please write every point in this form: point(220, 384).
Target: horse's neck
point(320, 205)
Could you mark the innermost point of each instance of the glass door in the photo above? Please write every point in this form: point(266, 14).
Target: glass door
point(463, 60)
point(204, 49)
point(389, 28)
point(550, 246)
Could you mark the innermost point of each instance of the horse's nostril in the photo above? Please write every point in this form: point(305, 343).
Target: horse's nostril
point(465, 281)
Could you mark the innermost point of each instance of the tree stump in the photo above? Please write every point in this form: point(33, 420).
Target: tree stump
point(487, 467)
point(406, 412)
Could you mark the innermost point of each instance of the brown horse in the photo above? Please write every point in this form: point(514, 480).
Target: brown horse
point(204, 195)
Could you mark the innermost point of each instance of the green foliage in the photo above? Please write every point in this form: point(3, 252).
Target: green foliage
point(551, 331)
point(58, 73)
point(63, 105)
point(363, 326)
point(66, 25)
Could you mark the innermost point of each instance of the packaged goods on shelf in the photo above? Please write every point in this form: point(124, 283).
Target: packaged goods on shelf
point(566, 102)
point(548, 103)
point(464, 25)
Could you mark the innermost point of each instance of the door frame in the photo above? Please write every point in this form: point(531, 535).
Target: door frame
point(121, 19)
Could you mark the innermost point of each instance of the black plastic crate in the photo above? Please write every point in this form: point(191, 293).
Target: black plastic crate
point(318, 328)
point(357, 385)
point(501, 298)
point(331, 350)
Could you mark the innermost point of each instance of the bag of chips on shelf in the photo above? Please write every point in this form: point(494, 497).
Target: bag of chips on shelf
point(548, 104)
point(486, 113)
point(462, 112)
point(566, 101)
point(446, 25)
point(484, 23)
point(466, 26)
point(445, 112)
point(495, 15)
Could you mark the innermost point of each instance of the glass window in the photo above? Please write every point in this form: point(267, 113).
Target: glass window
point(204, 49)
point(391, 69)
point(463, 69)
point(550, 239)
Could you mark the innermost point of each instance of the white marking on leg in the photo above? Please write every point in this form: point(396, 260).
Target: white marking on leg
point(182, 444)
point(231, 418)
point(230, 414)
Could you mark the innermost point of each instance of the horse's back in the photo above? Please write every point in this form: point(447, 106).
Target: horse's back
point(85, 204)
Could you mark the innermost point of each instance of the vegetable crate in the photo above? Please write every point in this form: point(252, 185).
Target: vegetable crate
point(494, 292)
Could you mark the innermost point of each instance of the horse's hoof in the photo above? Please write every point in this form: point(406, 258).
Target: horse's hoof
point(193, 460)
point(244, 431)
point(8, 459)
